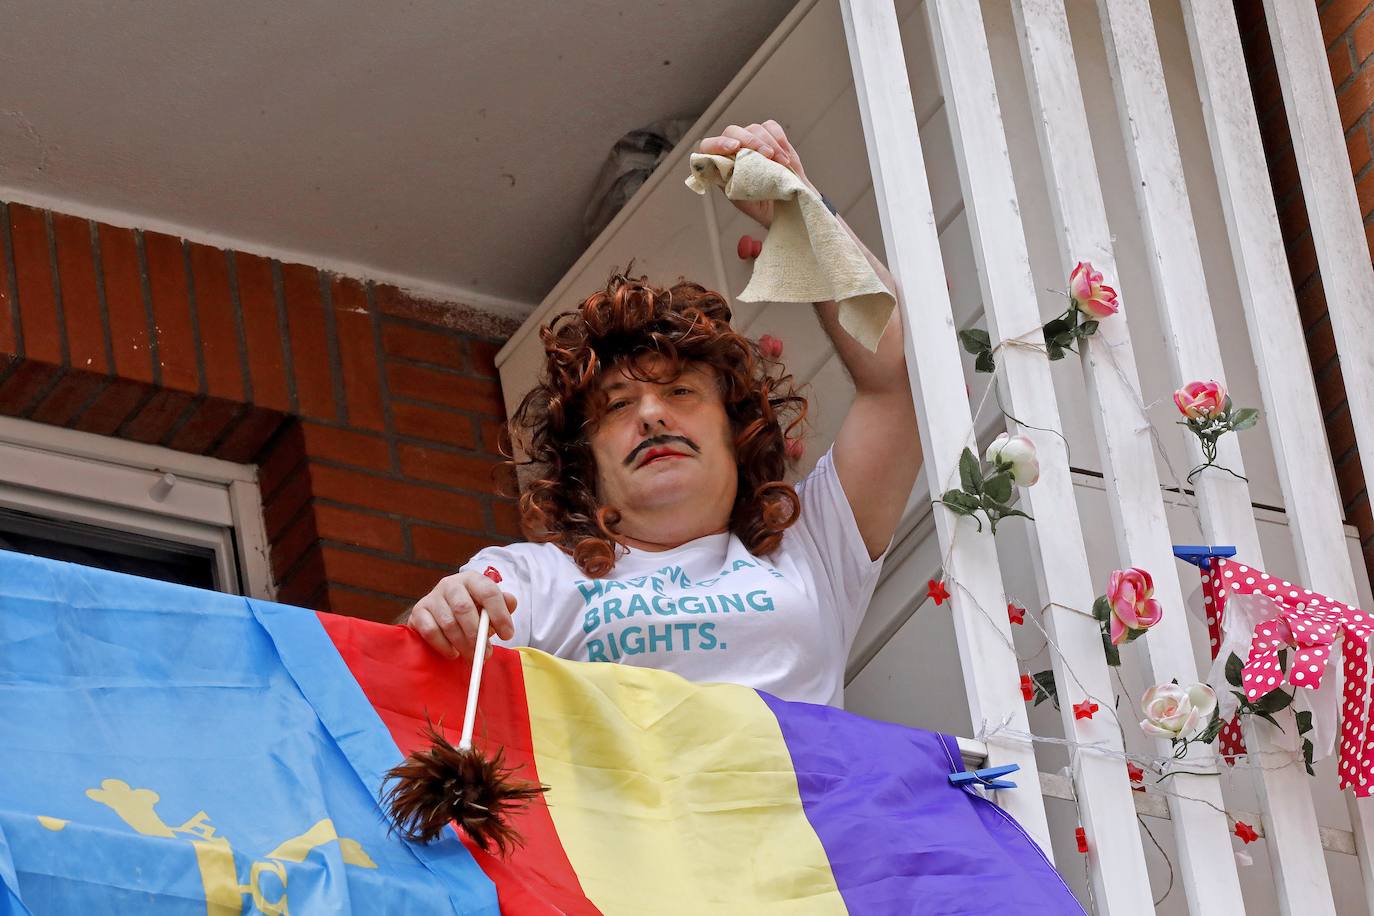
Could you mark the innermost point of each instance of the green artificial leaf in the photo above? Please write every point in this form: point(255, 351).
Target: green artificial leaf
point(1234, 666)
point(970, 475)
point(960, 502)
point(1045, 688)
point(1209, 734)
point(984, 362)
point(1273, 701)
point(1058, 326)
point(998, 487)
point(1113, 654)
point(1283, 660)
point(1307, 756)
point(1102, 609)
point(1054, 352)
point(1064, 340)
point(1087, 329)
point(1244, 418)
point(1268, 718)
point(975, 340)
point(1014, 513)
point(1304, 721)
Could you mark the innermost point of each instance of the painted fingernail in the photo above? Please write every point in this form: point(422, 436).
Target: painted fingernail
point(731, 144)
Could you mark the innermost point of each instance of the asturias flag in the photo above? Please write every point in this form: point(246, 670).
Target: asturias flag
point(169, 750)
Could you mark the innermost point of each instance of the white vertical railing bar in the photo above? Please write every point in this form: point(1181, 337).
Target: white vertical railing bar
point(1293, 413)
point(1347, 278)
point(913, 250)
point(1121, 882)
point(1136, 503)
point(1291, 829)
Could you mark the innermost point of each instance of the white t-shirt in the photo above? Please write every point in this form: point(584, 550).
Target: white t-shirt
point(709, 610)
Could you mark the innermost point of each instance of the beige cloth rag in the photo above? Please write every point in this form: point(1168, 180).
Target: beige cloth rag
point(808, 256)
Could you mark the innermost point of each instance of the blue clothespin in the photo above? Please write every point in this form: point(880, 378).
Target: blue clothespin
point(987, 777)
point(1200, 555)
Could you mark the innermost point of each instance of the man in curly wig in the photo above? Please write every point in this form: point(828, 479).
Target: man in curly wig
point(663, 533)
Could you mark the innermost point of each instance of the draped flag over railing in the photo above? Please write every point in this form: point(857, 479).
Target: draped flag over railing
point(170, 750)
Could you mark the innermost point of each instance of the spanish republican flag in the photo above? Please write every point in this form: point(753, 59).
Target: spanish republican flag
point(169, 750)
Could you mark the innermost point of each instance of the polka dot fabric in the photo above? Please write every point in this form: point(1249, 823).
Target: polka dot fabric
point(1230, 740)
point(1308, 625)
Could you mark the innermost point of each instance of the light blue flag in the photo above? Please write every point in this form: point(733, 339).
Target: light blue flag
point(156, 757)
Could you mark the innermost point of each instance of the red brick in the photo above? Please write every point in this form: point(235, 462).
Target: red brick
point(64, 402)
point(300, 536)
point(435, 387)
point(1293, 217)
point(281, 509)
point(248, 437)
point(435, 424)
point(157, 417)
point(304, 584)
point(346, 446)
point(1321, 344)
point(1311, 302)
point(1357, 147)
point(1330, 387)
point(1302, 259)
point(280, 464)
point(1369, 239)
point(380, 574)
point(482, 357)
point(1354, 98)
point(506, 516)
point(1340, 433)
point(455, 470)
point(1350, 476)
point(1268, 92)
point(1358, 514)
point(449, 548)
point(262, 332)
point(359, 529)
point(81, 311)
point(366, 605)
point(1338, 15)
point(1338, 62)
point(1364, 190)
point(28, 380)
point(362, 380)
point(9, 338)
point(372, 492)
point(494, 436)
point(213, 417)
point(219, 331)
point(115, 404)
point(133, 355)
point(33, 273)
point(309, 341)
point(176, 338)
point(1283, 173)
point(423, 346)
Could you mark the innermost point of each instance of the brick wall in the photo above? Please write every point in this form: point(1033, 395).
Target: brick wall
point(374, 416)
point(1348, 27)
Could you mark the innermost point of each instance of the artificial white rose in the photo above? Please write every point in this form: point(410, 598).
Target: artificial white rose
point(1175, 712)
point(1017, 454)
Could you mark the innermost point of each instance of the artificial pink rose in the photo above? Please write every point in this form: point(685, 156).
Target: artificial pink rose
point(770, 346)
point(1200, 400)
point(1088, 294)
point(1130, 592)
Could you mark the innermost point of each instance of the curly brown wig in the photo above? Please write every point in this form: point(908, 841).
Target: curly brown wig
point(686, 325)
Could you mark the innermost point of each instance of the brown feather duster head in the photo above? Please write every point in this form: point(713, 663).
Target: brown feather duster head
point(443, 784)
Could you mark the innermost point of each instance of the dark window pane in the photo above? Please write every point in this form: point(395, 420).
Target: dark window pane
point(106, 548)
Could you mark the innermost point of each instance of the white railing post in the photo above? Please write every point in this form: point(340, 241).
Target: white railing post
point(913, 250)
point(1135, 500)
point(1347, 277)
point(1121, 882)
point(1180, 283)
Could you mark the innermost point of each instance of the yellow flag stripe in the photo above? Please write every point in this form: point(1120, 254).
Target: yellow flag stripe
point(673, 797)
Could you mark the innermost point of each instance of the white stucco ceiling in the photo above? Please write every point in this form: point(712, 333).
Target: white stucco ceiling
point(448, 146)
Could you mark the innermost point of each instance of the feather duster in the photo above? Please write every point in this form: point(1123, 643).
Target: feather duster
point(443, 784)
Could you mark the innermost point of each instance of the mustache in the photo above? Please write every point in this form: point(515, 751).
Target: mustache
point(659, 440)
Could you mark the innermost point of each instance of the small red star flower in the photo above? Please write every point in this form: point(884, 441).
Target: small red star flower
point(1081, 837)
point(1084, 710)
point(1246, 832)
point(1027, 687)
point(937, 591)
point(1016, 614)
point(491, 573)
point(1137, 774)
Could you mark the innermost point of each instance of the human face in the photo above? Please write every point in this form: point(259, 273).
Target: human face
point(665, 446)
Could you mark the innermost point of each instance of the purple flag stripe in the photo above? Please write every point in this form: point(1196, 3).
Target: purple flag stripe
point(899, 837)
